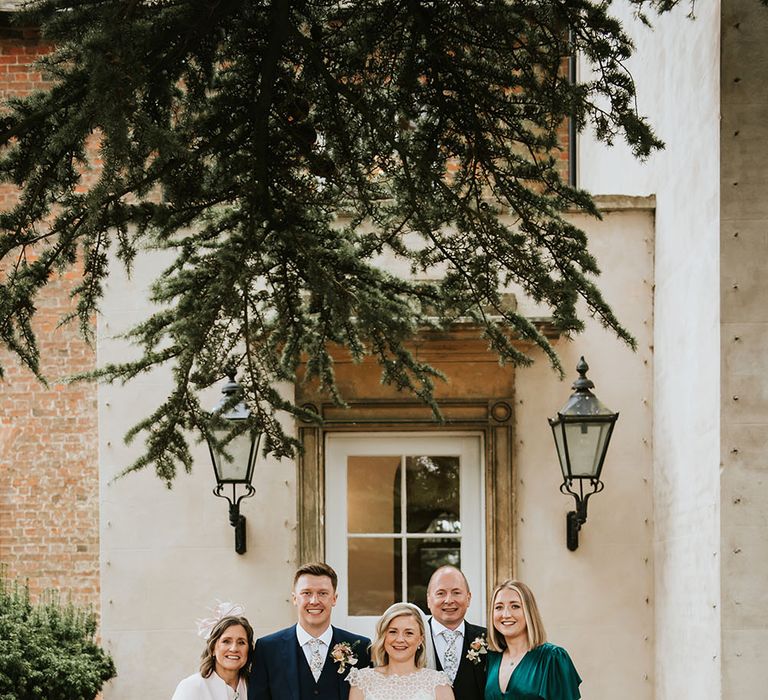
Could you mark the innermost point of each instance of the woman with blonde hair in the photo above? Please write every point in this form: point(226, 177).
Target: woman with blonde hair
point(522, 665)
point(399, 654)
point(225, 663)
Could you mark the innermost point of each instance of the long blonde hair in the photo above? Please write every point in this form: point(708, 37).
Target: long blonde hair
point(378, 654)
point(533, 623)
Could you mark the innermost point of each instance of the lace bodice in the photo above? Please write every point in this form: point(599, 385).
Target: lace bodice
point(415, 686)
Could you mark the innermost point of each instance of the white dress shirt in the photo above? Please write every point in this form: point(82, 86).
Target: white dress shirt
point(325, 642)
point(441, 644)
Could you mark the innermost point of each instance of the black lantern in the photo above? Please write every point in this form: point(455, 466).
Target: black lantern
point(582, 431)
point(233, 463)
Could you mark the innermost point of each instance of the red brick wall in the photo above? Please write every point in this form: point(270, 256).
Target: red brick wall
point(49, 480)
point(18, 50)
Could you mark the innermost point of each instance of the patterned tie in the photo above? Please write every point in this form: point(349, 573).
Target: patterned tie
point(451, 664)
point(316, 658)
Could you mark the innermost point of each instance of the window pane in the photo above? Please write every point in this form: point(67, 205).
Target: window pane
point(424, 556)
point(375, 574)
point(373, 494)
point(432, 494)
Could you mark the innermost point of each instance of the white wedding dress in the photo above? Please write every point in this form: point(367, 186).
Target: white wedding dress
point(415, 686)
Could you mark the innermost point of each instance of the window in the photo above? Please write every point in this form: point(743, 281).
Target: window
point(397, 507)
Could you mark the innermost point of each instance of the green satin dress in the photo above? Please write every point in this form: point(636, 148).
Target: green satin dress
point(544, 673)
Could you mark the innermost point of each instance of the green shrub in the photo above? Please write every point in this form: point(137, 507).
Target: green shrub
point(47, 649)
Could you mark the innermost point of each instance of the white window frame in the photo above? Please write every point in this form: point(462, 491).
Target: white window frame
point(468, 446)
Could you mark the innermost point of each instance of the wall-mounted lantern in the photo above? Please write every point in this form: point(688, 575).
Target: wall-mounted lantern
point(233, 463)
point(582, 431)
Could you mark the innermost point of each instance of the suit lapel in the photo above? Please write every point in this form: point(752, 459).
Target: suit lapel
point(463, 661)
point(477, 670)
point(329, 665)
point(438, 663)
point(328, 658)
point(289, 662)
point(470, 633)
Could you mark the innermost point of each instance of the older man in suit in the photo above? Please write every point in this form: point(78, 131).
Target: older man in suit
point(448, 598)
point(298, 663)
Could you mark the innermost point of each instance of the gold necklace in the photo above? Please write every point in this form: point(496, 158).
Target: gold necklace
point(514, 660)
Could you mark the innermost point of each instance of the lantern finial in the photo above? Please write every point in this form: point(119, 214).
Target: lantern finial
point(582, 383)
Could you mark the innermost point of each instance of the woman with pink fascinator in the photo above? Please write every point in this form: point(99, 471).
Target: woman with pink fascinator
point(225, 661)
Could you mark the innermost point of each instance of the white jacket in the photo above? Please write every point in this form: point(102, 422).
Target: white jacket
point(196, 687)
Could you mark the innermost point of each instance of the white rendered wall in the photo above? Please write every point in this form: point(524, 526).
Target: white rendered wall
point(676, 70)
point(598, 601)
point(168, 555)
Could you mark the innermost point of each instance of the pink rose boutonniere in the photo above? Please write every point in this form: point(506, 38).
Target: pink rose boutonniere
point(344, 654)
point(476, 648)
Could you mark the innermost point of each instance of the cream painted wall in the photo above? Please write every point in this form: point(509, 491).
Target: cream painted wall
point(168, 555)
point(744, 401)
point(676, 70)
point(598, 601)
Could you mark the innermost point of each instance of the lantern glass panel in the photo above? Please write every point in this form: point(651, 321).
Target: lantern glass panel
point(238, 469)
point(557, 431)
point(586, 442)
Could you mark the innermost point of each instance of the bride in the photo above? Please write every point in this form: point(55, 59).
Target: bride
point(399, 653)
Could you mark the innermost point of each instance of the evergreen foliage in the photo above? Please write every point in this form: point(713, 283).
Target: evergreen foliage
point(280, 150)
point(47, 650)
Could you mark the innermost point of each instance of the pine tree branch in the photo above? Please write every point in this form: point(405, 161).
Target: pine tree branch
point(276, 151)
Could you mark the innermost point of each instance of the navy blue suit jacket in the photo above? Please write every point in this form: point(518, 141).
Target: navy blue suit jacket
point(275, 673)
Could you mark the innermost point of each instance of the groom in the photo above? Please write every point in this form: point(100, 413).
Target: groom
point(448, 598)
point(298, 663)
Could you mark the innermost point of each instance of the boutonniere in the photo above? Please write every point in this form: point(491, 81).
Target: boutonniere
point(477, 648)
point(343, 654)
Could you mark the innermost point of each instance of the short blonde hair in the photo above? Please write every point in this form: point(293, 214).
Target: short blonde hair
point(378, 655)
point(533, 623)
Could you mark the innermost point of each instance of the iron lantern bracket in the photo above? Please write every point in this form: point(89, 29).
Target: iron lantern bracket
point(576, 518)
point(236, 519)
